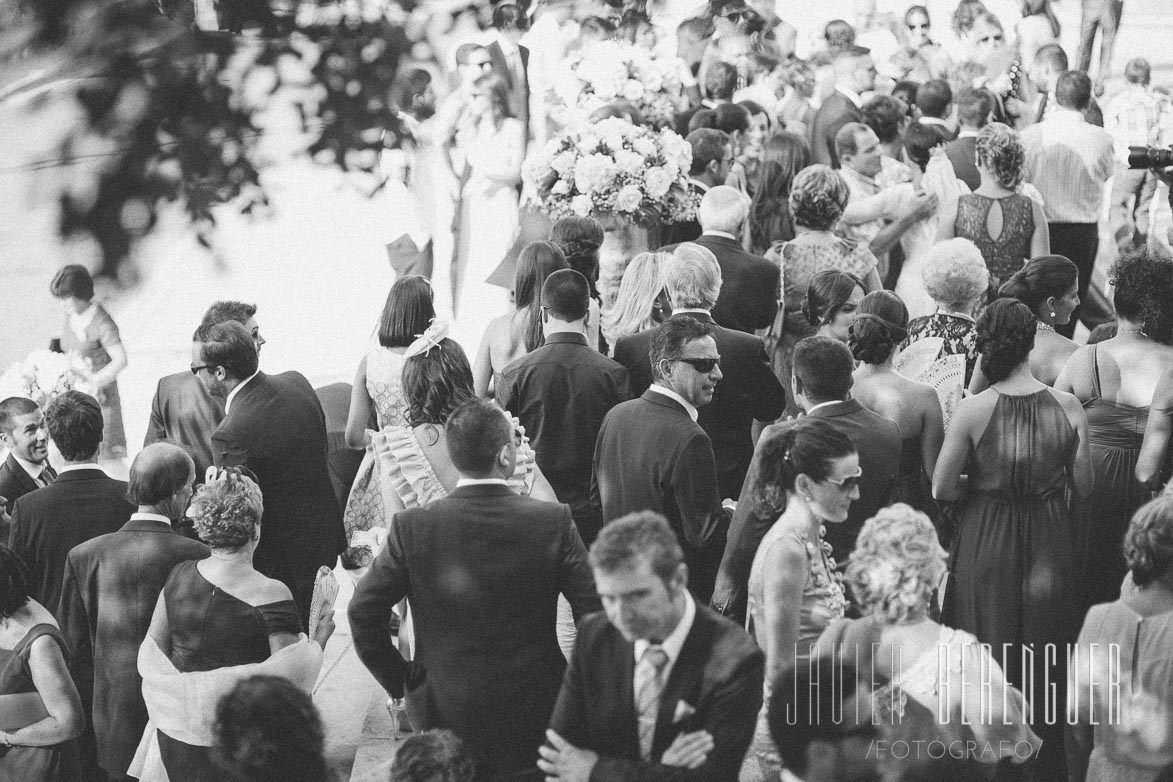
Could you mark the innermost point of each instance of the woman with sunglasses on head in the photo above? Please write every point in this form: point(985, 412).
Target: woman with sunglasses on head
point(921, 58)
point(1021, 446)
point(808, 477)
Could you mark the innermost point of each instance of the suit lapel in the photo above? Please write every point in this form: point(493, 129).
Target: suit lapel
point(500, 63)
point(683, 684)
point(622, 665)
point(23, 478)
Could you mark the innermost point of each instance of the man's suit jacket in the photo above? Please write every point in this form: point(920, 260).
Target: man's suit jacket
point(483, 568)
point(275, 427)
point(14, 484)
point(962, 152)
point(718, 673)
point(560, 393)
point(878, 441)
point(111, 586)
point(748, 391)
point(687, 231)
point(836, 111)
point(750, 286)
point(518, 88)
point(652, 456)
point(49, 522)
point(184, 413)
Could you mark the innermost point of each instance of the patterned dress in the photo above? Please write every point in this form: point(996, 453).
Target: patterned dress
point(88, 334)
point(959, 333)
point(1006, 253)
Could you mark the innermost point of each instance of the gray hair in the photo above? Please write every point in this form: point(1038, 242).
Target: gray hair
point(723, 208)
point(692, 277)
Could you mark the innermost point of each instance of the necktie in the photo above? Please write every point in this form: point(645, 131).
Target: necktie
point(649, 683)
point(46, 477)
point(1042, 108)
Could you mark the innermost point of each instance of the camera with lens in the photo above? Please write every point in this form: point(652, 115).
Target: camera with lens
point(1150, 157)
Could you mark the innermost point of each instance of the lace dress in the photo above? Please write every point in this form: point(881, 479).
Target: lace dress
point(958, 332)
point(823, 602)
point(1006, 253)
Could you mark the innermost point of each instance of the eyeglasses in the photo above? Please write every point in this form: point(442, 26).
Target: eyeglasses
point(991, 38)
point(923, 26)
point(847, 484)
point(483, 64)
point(196, 370)
point(702, 364)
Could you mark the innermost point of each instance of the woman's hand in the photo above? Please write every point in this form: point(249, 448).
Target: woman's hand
point(325, 627)
point(689, 750)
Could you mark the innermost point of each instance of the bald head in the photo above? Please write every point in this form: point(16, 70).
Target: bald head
point(159, 472)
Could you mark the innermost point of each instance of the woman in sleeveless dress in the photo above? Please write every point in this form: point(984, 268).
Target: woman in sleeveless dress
point(1007, 226)
point(879, 326)
point(220, 612)
point(1116, 380)
point(91, 333)
point(1122, 734)
point(406, 315)
point(941, 685)
point(1013, 577)
point(810, 475)
point(40, 709)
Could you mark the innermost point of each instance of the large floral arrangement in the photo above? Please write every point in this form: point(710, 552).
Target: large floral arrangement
point(614, 168)
point(45, 374)
point(608, 71)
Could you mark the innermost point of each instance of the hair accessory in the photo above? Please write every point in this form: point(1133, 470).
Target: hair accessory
point(433, 335)
point(897, 332)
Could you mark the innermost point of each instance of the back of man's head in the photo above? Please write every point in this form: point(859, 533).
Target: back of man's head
point(933, 98)
point(822, 369)
point(671, 337)
point(973, 107)
point(692, 277)
point(1138, 71)
point(707, 145)
point(637, 537)
point(475, 433)
point(432, 756)
point(566, 295)
point(74, 423)
point(885, 115)
point(465, 51)
point(723, 208)
point(1074, 90)
point(721, 81)
point(839, 34)
point(847, 139)
point(12, 408)
point(732, 118)
point(158, 472)
point(224, 311)
point(228, 345)
point(509, 16)
point(812, 703)
point(846, 64)
point(1051, 57)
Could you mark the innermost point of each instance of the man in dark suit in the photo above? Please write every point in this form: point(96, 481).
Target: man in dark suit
point(561, 392)
point(855, 74)
point(750, 284)
point(974, 108)
point(22, 431)
point(274, 426)
point(81, 504)
point(654, 674)
point(934, 98)
point(483, 568)
point(510, 59)
point(822, 387)
point(653, 455)
point(749, 390)
point(712, 158)
point(183, 411)
point(108, 596)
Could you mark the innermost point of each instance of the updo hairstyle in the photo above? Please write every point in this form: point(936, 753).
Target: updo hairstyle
point(881, 323)
point(1005, 337)
point(435, 383)
point(1000, 150)
point(1144, 294)
point(826, 294)
point(227, 509)
point(1039, 280)
point(580, 239)
point(896, 565)
point(807, 448)
point(955, 274)
point(818, 197)
point(1148, 544)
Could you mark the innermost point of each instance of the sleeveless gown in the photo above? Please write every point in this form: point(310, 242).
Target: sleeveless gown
point(1115, 434)
point(823, 602)
point(32, 764)
point(1006, 254)
point(101, 331)
point(912, 484)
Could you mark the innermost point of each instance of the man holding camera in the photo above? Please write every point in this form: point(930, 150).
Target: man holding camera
point(1133, 118)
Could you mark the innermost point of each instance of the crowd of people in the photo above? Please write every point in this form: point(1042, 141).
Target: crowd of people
point(820, 473)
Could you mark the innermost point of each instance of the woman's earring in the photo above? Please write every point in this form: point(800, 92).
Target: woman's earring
point(1052, 314)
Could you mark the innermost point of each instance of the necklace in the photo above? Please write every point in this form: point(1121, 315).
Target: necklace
point(1045, 326)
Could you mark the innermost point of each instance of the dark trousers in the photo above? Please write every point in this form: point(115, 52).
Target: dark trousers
point(1079, 242)
point(1129, 219)
point(1104, 14)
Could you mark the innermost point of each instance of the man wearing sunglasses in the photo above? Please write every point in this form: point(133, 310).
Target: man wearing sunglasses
point(653, 455)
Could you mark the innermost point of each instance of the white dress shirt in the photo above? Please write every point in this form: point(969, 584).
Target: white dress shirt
point(33, 469)
point(668, 392)
point(1069, 160)
point(86, 466)
point(481, 482)
point(723, 234)
point(151, 517)
point(232, 394)
point(675, 640)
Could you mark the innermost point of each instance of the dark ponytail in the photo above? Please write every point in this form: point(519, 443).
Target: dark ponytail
point(807, 447)
point(1005, 337)
point(1039, 280)
point(881, 323)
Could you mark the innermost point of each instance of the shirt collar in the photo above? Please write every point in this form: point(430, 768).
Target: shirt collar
point(968, 134)
point(933, 121)
point(827, 404)
point(722, 234)
point(86, 466)
point(481, 482)
point(508, 47)
point(693, 310)
point(851, 96)
point(961, 315)
point(232, 394)
point(704, 188)
point(32, 468)
point(668, 392)
point(1063, 114)
point(675, 640)
point(150, 517)
point(568, 337)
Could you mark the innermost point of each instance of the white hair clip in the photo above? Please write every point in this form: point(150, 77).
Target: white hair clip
point(431, 338)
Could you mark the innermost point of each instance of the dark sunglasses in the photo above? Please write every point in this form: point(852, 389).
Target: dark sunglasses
point(924, 26)
point(196, 370)
point(989, 38)
point(848, 483)
point(702, 364)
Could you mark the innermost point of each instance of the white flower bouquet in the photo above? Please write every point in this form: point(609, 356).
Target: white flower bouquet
point(44, 374)
point(609, 71)
point(614, 168)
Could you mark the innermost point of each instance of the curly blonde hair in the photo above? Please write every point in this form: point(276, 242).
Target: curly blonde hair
point(955, 274)
point(818, 197)
point(1148, 544)
point(1000, 150)
point(896, 565)
point(227, 509)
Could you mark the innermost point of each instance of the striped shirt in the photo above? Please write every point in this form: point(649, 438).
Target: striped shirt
point(1133, 117)
point(1069, 161)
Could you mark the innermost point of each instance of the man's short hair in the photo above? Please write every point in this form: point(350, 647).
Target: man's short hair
point(476, 432)
point(707, 145)
point(464, 51)
point(699, 27)
point(803, 703)
point(1138, 71)
point(224, 311)
point(627, 541)
point(510, 16)
point(974, 106)
point(692, 277)
point(701, 119)
point(1052, 56)
point(732, 118)
point(432, 756)
point(671, 337)
point(723, 208)
point(158, 472)
point(228, 345)
point(838, 33)
point(567, 295)
point(74, 423)
point(846, 139)
point(721, 81)
point(933, 98)
point(885, 114)
point(12, 408)
point(822, 369)
point(1074, 90)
